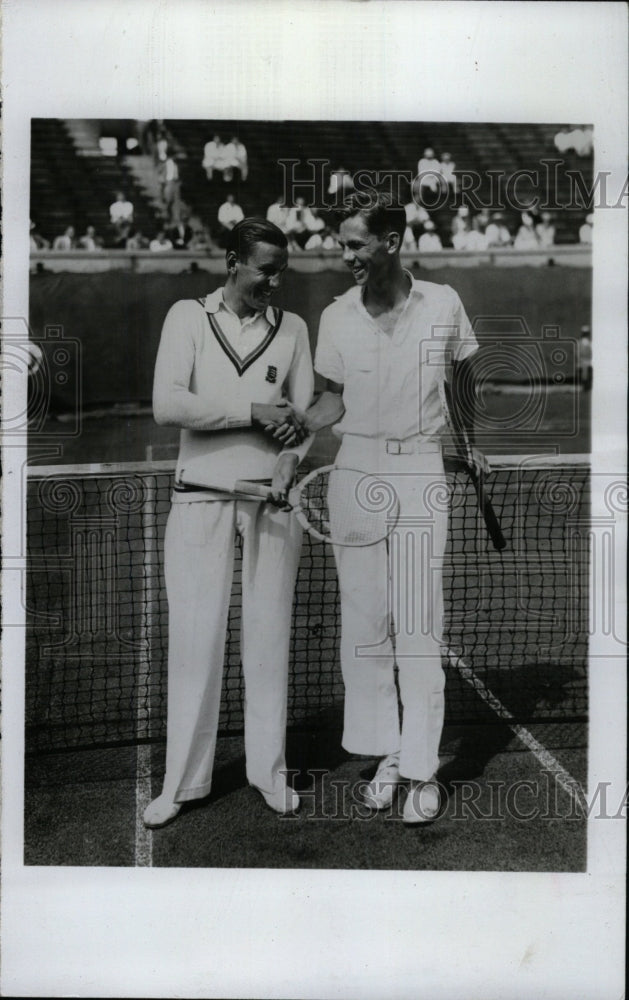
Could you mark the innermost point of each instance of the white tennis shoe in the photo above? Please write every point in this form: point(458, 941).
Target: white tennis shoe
point(422, 802)
point(283, 800)
point(381, 790)
point(161, 811)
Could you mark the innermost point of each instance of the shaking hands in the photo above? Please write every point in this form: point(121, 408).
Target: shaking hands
point(282, 421)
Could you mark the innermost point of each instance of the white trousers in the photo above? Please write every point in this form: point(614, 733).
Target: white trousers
point(199, 556)
point(397, 580)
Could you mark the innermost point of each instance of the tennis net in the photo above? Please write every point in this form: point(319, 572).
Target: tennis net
point(516, 622)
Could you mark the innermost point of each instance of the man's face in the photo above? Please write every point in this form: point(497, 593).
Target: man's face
point(364, 253)
point(261, 275)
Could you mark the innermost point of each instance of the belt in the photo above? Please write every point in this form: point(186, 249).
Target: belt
point(411, 446)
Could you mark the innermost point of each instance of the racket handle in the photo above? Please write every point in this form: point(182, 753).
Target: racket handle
point(489, 515)
point(255, 489)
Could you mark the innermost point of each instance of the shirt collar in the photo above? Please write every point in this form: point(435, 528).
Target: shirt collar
point(355, 295)
point(215, 300)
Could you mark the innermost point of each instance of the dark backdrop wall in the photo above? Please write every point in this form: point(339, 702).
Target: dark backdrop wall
point(528, 318)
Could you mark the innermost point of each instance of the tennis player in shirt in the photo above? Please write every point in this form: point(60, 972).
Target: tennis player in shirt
point(230, 370)
point(383, 348)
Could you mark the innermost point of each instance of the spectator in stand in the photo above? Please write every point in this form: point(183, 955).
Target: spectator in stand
point(213, 157)
point(461, 238)
point(235, 160)
point(200, 239)
point(329, 239)
point(530, 204)
point(585, 232)
point(316, 229)
point(160, 243)
point(460, 220)
point(277, 213)
point(460, 228)
point(409, 243)
point(429, 241)
point(296, 229)
point(66, 241)
point(341, 183)
point(37, 241)
point(416, 214)
point(314, 222)
point(161, 147)
point(579, 139)
point(229, 214)
point(497, 233)
point(429, 171)
point(137, 241)
point(180, 233)
point(90, 240)
point(546, 231)
point(477, 235)
point(300, 224)
point(526, 238)
point(121, 218)
point(447, 168)
point(170, 187)
point(314, 242)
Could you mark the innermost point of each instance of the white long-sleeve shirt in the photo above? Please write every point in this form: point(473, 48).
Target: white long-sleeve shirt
point(210, 368)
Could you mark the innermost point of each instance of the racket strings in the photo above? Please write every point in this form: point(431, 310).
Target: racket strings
point(349, 507)
point(313, 501)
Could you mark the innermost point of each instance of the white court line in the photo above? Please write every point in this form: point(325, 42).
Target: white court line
point(563, 778)
point(143, 795)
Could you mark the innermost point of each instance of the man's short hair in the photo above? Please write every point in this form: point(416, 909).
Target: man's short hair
point(245, 236)
point(382, 214)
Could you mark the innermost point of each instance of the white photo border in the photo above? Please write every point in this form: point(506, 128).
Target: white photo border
point(271, 933)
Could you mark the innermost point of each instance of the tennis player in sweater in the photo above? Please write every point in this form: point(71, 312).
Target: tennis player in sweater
point(234, 373)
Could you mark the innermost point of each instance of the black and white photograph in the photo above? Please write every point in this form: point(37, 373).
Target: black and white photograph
point(315, 515)
point(234, 661)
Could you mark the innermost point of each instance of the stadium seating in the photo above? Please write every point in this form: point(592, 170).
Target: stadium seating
point(378, 146)
point(68, 189)
point(72, 190)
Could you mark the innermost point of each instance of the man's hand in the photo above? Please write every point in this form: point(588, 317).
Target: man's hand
point(294, 430)
point(282, 421)
point(283, 478)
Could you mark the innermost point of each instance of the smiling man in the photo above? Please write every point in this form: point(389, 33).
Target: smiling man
point(229, 370)
point(384, 347)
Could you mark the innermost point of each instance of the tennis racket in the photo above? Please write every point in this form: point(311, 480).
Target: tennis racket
point(464, 452)
point(345, 506)
point(335, 505)
point(234, 489)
